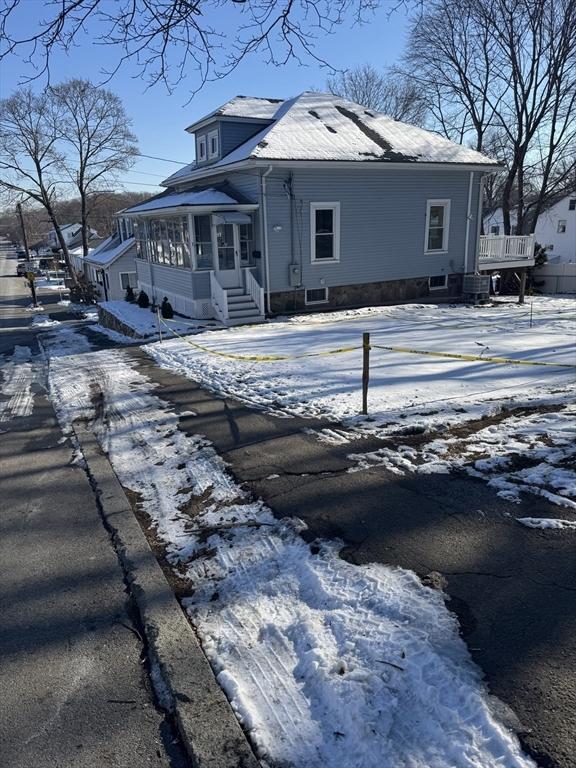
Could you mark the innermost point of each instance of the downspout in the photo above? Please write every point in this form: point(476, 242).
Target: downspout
point(264, 234)
point(468, 219)
point(479, 223)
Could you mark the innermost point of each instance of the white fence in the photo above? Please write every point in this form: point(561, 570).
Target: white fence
point(558, 277)
point(506, 248)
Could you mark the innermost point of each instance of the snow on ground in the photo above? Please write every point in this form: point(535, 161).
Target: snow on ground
point(43, 321)
point(524, 452)
point(144, 321)
point(426, 390)
point(546, 522)
point(417, 393)
point(325, 663)
point(17, 377)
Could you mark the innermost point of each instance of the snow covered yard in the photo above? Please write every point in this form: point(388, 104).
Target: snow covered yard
point(326, 664)
point(414, 392)
point(144, 321)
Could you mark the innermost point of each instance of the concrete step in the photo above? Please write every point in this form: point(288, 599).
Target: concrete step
point(242, 305)
point(245, 320)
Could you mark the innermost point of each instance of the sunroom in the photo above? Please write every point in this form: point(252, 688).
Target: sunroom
point(200, 249)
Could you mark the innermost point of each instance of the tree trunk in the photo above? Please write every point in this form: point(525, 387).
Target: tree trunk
point(62, 242)
point(84, 222)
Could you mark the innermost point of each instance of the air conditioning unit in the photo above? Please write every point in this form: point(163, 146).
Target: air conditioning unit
point(476, 288)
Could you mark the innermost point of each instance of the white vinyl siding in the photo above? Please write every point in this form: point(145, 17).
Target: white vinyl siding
point(325, 232)
point(437, 226)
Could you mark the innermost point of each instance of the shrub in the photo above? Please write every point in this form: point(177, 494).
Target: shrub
point(130, 295)
point(166, 309)
point(143, 300)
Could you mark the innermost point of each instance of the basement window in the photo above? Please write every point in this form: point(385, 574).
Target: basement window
point(561, 226)
point(438, 282)
point(316, 296)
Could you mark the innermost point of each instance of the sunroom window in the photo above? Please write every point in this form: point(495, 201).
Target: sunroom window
point(203, 242)
point(325, 230)
point(437, 225)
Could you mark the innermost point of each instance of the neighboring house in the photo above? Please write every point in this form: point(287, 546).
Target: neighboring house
point(312, 202)
point(72, 234)
point(111, 265)
point(556, 231)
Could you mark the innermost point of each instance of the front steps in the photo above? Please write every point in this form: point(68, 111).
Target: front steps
point(241, 308)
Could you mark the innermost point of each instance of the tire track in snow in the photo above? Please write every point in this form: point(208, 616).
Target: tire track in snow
point(297, 640)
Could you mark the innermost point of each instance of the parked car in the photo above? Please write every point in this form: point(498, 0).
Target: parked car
point(27, 266)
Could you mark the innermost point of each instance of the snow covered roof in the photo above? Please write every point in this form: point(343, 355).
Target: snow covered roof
point(109, 250)
point(321, 126)
point(210, 196)
point(249, 107)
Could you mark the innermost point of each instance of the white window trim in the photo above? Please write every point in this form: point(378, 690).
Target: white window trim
point(318, 207)
point(321, 301)
point(201, 142)
point(211, 135)
point(438, 287)
point(445, 235)
point(127, 273)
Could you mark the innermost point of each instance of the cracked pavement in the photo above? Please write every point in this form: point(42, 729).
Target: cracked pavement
point(510, 586)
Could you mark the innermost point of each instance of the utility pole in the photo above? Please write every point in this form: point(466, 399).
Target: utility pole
point(22, 226)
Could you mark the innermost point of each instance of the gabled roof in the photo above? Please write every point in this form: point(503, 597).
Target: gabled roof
point(323, 127)
point(109, 250)
point(242, 107)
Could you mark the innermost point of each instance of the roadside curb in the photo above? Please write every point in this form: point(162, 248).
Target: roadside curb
point(208, 727)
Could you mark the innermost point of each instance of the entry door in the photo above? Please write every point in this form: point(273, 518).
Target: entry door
point(228, 247)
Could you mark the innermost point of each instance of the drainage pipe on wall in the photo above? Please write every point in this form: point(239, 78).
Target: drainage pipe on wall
point(264, 228)
point(468, 219)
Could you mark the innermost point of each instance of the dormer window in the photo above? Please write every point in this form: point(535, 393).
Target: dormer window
point(201, 149)
point(213, 144)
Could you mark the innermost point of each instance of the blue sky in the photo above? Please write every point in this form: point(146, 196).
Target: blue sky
point(159, 118)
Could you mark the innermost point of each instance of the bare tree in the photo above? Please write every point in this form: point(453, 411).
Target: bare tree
point(389, 92)
point(170, 39)
point(95, 127)
point(29, 154)
point(496, 67)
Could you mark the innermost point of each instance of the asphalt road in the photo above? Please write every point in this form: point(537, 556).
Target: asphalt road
point(74, 691)
point(512, 588)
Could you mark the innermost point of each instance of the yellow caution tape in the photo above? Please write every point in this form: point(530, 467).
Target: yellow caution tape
point(341, 350)
point(479, 358)
point(258, 358)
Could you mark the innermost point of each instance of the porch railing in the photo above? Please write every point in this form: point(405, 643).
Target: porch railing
point(219, 298)
point(254, 289)
point(506, 248)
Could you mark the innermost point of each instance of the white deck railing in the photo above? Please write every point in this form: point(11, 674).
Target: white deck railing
point(254, 290)
point(219, 298)
point(506, 248)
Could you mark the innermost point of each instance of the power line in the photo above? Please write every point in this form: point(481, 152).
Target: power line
point(163, 159)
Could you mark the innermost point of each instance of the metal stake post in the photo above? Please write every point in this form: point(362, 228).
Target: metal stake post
point(159, 323)
point(365, 371)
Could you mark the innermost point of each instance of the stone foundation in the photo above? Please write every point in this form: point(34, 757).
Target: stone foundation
point(108, 320)
point(368, 294)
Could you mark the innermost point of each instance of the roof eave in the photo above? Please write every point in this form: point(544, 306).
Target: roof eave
point(228, 119)
point(208, 208)
point(262, 162)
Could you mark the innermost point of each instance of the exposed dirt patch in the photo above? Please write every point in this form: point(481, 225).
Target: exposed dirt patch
point(174, 575)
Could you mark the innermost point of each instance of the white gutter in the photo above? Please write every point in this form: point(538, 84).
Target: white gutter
point(468, 218)
point(264, 236)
